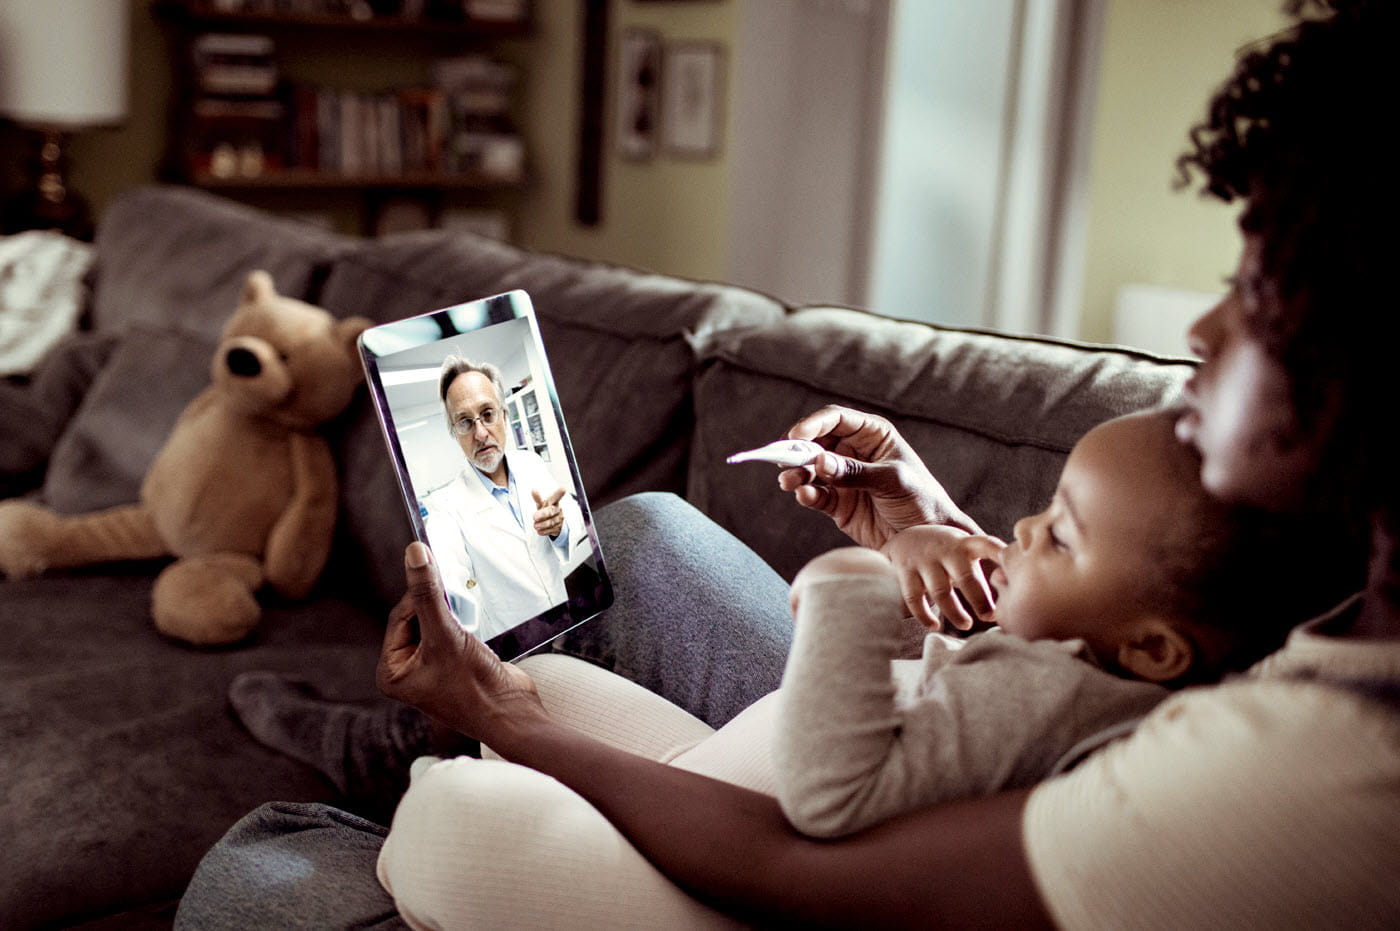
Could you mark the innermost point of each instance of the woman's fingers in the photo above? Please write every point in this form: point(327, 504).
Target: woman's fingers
point(401, 638)
point(796, 478)
point(823, 423)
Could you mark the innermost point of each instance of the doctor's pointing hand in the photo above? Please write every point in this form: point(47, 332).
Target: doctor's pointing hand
point(549, 516)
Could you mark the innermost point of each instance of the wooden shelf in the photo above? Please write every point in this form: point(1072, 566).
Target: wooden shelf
point(204, 16)
point(318, 124)
point(310, 179)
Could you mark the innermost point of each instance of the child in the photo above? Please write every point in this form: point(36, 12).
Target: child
point(1132, 581)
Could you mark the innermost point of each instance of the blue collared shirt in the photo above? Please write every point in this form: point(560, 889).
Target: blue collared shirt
point(509, 497)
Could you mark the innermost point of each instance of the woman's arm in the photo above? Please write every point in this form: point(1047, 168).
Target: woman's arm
point(957, 864)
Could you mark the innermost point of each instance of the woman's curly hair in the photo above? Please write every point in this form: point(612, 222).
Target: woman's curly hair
point(1301, 132)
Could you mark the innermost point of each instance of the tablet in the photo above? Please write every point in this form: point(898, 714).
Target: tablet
point(478, 443)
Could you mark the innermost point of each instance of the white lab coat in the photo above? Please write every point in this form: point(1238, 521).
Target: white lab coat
point(497, 574)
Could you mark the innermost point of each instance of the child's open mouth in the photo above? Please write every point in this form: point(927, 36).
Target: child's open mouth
point(997, 580)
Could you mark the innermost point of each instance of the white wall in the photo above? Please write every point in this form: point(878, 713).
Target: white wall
point(941, 166)
point(668, 213)
point(804, 146)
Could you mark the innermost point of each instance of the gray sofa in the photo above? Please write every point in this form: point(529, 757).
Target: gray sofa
point(121, 763)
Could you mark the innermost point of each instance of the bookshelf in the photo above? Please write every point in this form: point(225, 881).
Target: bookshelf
point(526, 423)
point(329, 105)
point(314, 179)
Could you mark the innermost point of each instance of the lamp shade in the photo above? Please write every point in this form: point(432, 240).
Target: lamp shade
point(63, 62)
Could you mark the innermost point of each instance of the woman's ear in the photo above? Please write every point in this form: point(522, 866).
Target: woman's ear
point(1156, 651)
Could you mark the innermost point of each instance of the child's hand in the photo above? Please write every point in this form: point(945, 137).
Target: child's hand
point(936, 564)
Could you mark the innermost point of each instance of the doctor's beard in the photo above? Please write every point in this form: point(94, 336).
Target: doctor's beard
point(487, 461)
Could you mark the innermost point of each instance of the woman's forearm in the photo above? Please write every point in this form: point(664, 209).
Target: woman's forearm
point(733, 849)
point(954, 865)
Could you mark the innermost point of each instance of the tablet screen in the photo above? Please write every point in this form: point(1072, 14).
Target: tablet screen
point(483, 459)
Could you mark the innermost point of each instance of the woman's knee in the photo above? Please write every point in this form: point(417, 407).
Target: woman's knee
point(468, 830)
point(647, 513)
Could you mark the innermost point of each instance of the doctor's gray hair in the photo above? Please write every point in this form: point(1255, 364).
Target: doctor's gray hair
point(455, 366)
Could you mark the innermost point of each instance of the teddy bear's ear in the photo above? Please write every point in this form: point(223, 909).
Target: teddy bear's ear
point(258, 288)
point(349, 329)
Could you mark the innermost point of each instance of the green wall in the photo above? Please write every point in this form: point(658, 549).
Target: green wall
point(1161, 61)
point(665, 214)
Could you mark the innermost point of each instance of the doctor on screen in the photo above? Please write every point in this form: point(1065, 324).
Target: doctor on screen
point(502, 530)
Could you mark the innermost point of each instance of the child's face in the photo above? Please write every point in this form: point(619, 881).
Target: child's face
point(1079, 568)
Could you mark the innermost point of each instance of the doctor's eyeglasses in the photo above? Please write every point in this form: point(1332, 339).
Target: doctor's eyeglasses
point(464, 425)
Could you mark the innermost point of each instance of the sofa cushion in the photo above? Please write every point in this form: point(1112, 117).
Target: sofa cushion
point(125, 418)
point(35, 411)
point(175, 257)
point(619, 345)
point(122, 763)
point(994, 416)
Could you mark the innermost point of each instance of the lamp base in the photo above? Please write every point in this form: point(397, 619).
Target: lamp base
point(48, 203)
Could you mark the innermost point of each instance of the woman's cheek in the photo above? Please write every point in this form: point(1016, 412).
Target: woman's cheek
point(1247, 438)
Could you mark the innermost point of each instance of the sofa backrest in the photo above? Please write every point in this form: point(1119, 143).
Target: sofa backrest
point(175, 258)
point(993, 415)
point(659, 378)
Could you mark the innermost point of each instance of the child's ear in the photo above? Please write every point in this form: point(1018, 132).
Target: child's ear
point(1156, 651)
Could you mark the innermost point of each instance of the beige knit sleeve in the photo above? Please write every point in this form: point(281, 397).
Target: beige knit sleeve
point(1266, 804)
point(835, 710)
point(852, 748)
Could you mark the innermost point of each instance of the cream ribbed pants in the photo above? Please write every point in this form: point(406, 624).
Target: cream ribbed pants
point(486, 843)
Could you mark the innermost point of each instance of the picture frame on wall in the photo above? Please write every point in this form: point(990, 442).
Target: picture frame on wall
point(638, 93)
point(692, 95)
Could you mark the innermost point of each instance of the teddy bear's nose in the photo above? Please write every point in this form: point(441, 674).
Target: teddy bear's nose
point(243, 362)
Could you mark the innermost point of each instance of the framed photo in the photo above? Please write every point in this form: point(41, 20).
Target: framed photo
point(692, 98)
point(638, 92)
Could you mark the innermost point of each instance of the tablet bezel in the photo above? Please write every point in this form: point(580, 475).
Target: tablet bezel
point(452, 324)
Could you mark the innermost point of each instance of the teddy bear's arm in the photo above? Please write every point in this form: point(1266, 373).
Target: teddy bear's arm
point(300, 541)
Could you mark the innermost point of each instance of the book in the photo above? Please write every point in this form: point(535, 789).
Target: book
point(234, 64)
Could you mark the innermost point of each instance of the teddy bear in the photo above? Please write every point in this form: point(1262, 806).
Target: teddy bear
point(242, 494)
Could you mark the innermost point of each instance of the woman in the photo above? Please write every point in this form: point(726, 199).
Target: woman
point(1271, 800)
point(1281, 797)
